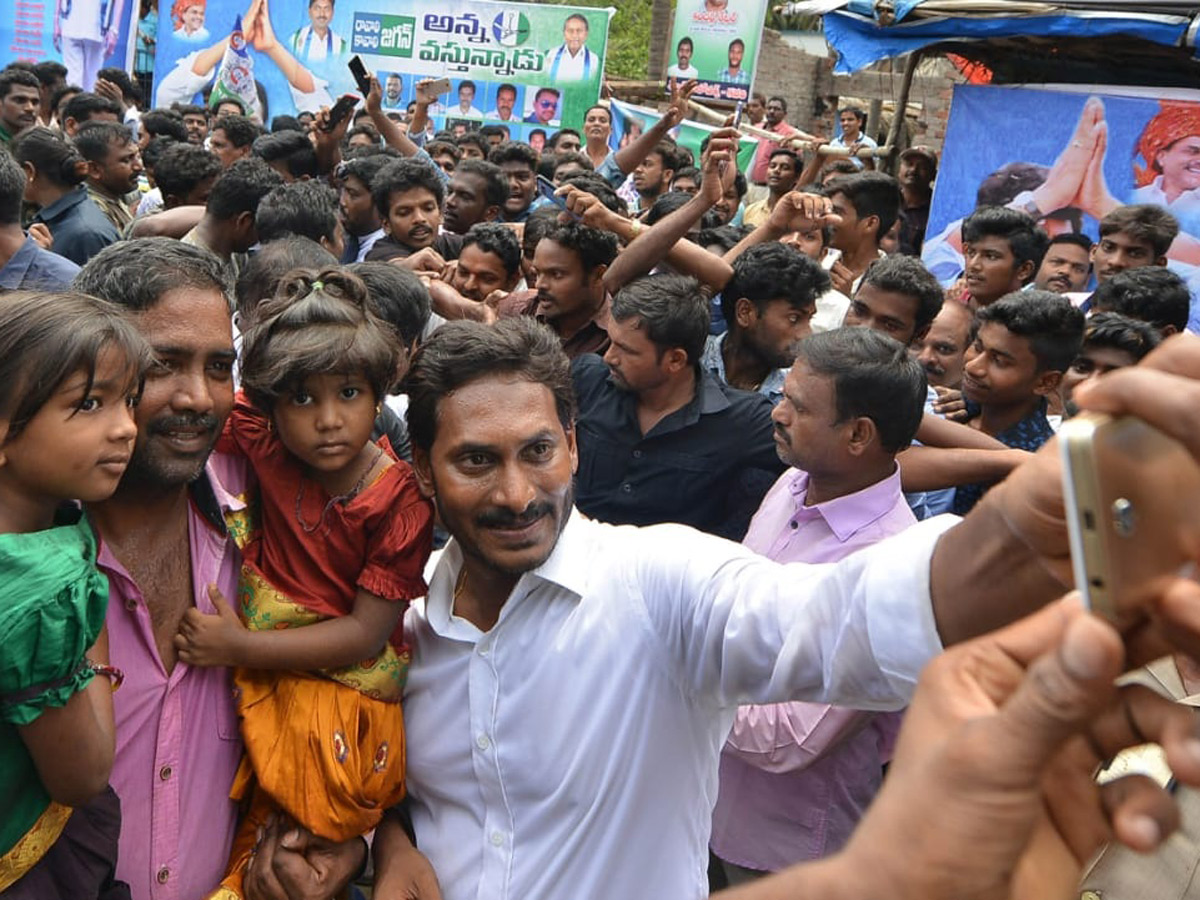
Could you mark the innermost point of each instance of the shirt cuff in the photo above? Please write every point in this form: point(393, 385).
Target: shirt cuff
point(900, 624)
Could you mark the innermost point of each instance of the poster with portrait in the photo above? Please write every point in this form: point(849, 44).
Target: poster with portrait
point(1087, 149)
point(37, 30)
point(716, 42)
point(508, 63)
point(629, 122)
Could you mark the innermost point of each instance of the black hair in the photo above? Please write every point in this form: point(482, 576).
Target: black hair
point(688, 172)
point(594, 247)
point(871, 194)
point(685, 40)
point(365, 167)
point(49, 71)
point(540, 223)
point(506, 86)
point(874, 376)
point(906, 275)
point(1002, 186)
point(241, 188)
point(85, 104)
point(435, 147)
point(1115, 331)
point(181, 167)
point(579, 17)
point(1026, 240)
point(95, 140)
point(1152, 294)
point(365, 129)
point(514, 151)
point(780, 100)
point(1144, 222)
point(773, 271)
point(597, 186)
point(1077, 238)
point(462, 352)
point(11, 76)
point(488, 131)
point(259, 278)
point(467, 82)
point(164, 123)
point(497, 238)
point(836, 167)
point(473, 137)
point(53, 155)
point(724, 236)
point(666, 150)
point(292, 148)
point(119, 77)
point(580, 159)
point(737, 41)
point(858, 114)
point(59, 93)
point(46, 338)
point(12, 190)
point(790, 154)
point(154, 150)
point(189, 109)
point(217, 102)
point(135, 274)
point(318, 322)
point(552, 143)
point(665, 205)
point(304, 208)
point(496, 187)
point(670, 309)
point(397, 296)
point(1053, 327)
point(405, 175)
point(240, 130)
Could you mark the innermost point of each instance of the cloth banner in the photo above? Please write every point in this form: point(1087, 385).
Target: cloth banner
point(716, 42)
point(629, 122)
point(529, 67)
point(27, 29)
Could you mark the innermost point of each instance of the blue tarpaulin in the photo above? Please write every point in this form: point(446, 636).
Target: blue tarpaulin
point(860, 39)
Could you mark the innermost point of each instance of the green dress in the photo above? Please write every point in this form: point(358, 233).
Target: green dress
point(52, 603)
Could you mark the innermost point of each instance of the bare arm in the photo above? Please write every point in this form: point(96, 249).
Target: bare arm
point(393, 135)
point(934, 431)
point(401, 872)
point(795, 211)
point(629, 157)
point(937, 468)
point(173, 223)
point(72, 746)
point(222, 640)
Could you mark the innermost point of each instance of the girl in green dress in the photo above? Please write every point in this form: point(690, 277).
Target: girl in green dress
point(70, 370)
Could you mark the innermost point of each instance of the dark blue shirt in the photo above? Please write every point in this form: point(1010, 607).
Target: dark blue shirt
point(33, 269)
point(79, 228)
point(1028, 434)
point(707, 465)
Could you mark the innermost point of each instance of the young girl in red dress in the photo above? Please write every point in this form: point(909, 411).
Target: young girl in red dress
point(332, 551)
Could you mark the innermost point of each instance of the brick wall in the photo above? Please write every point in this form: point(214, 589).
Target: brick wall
point(814, 92)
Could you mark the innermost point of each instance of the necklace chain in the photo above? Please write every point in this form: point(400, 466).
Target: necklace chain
point(340, 498)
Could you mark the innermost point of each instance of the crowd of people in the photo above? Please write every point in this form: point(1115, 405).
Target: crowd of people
point(433, 511)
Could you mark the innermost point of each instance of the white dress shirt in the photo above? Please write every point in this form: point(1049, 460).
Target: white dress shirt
point(571, 751)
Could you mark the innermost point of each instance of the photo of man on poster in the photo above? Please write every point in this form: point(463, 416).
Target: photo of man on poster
point(316, 41)
point(683, 67)
point(572, 60)
point(733, 73)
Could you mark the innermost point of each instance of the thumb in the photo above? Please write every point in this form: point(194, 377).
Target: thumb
point(219, 602)
point(1061, 692)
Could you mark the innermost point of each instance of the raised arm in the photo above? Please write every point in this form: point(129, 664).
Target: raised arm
point(795, 211)
point(628, 158)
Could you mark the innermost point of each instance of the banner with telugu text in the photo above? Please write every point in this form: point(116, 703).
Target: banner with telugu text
point(716, 42)
point(529, 67)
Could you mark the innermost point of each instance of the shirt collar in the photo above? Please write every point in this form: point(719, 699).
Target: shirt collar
point(849, 514)
point(62, 204)
point(14, 271)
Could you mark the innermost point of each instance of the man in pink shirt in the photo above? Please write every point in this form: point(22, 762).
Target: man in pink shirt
point(776, 121)
point(163, 540)
point(796, 777)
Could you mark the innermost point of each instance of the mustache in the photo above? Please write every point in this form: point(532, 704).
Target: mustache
point(498, 517)
point(781, 432)
point(173, 423)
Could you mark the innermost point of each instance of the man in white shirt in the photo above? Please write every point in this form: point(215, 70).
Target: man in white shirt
point(572, 682)
point(683, 67)
point(572, 60)
point(466, 108)
point(85, 31)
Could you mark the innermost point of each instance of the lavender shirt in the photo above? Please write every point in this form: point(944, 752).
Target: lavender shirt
point(796, 777)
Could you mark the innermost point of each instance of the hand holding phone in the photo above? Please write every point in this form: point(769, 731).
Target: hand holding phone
point(340, 111)
point(361, 76)
point(1132, 497)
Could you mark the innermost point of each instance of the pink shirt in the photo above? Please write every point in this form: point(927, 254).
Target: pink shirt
point(796, 777)
point(178, 744)
point(758, 171)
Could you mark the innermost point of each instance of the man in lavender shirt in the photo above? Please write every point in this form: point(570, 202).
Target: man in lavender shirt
point(163, 541)
point(796, 777)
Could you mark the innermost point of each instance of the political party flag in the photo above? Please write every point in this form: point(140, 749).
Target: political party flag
point(235, 78)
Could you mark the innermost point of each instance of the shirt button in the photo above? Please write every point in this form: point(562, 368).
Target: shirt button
point(637, 454)
point(627, 488)
point(794, 523)
point(164, 773)
point(482, 742)
point(131, 604)
point(163, 875)
point(497, 839)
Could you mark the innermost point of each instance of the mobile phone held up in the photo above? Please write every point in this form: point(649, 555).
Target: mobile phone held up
point(737, 113)
point(340, 111)
point(546, 189)
point(1132, 498)
point(361, 76)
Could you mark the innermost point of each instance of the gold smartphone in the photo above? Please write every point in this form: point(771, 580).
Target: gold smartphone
point(1132, 498)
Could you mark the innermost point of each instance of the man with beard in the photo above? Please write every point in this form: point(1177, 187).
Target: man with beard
point(486, 271)
point(783, 170)
point(918, 168)
point(1067, 266)
point(476, 192)
point(408, 195)
point(767, 305)
point(652, 176)
point(114, 165)
point(360, 219)
point(942, 350)
point(519, 162)
point(163, 541)
point(19, 101)
point(660, 438)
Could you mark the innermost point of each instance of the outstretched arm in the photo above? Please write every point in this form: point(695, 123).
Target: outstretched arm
point(629, 157)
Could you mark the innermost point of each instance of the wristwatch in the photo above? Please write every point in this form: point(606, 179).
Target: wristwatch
point(1025, 203)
